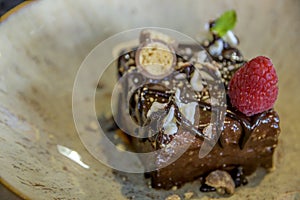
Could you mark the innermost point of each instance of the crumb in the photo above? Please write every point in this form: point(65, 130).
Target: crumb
point(173, 197)
point(188, 195)
point(121, 147)
point(174, 188)
point(124, 178)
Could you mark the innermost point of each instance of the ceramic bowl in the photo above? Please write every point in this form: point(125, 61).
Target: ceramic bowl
point(41, 49)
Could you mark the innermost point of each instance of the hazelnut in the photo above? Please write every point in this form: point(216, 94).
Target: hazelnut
point(221, 180)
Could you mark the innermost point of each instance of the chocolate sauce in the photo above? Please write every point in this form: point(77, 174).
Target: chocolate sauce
point(207, 188)
point(248, 124)
point(238, 176)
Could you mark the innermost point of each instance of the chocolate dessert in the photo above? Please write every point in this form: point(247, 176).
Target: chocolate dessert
point(177, 102)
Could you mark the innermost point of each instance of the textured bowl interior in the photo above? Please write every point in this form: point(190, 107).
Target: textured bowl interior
point(41, 49)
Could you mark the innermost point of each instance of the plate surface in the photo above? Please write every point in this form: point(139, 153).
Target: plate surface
point(43, 45)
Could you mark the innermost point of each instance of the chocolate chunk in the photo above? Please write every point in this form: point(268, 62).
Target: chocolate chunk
point(206, 188)
point(238, 176)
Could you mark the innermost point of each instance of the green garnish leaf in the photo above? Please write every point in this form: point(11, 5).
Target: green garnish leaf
point(225, 23)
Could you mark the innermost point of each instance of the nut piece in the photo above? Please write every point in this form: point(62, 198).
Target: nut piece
point(173, 197)
point(221, 180)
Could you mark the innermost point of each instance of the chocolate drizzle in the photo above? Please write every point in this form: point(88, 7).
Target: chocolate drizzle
point(163, 94)
point(207, 188)
point(247, 125)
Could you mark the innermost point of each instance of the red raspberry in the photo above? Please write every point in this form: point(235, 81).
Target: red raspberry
point(253, 88)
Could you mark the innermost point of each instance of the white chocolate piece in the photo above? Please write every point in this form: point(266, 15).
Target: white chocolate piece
point(230, 38)
point(207, 131)
point(180, 76)
point(188, 110)
point(201, 56)
point(155, 107)
point(217, 48)
point(196, 81)
point(169, 123)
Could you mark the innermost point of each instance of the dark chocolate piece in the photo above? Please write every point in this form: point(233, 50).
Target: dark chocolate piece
point(207, 188)
point(238, 176)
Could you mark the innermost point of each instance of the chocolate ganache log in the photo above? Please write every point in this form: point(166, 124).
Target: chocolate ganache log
point(179, 95)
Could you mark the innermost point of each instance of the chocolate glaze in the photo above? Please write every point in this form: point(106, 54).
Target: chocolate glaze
point(245, 142)
point(248, 124)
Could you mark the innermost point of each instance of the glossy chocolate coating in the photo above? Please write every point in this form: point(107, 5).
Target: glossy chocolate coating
point(245, 142)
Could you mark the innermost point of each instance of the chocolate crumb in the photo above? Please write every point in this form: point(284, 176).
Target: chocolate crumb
point(147, 175)
point(174, 188)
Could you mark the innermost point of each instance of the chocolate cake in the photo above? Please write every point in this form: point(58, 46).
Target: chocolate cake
point(177, 101)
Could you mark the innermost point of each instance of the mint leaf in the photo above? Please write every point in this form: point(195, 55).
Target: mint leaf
point(225, 23)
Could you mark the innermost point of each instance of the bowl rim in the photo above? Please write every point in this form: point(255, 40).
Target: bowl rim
point(15, 9)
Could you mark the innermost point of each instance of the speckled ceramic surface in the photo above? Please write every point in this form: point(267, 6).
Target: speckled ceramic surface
point(41, 49)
